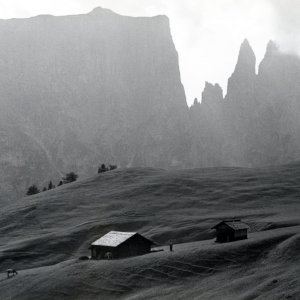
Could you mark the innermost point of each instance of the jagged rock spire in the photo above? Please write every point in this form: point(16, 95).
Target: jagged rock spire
point(244, 74)
point(246, 60)
point(272, 48)
point(269, 59)
point(212, 94)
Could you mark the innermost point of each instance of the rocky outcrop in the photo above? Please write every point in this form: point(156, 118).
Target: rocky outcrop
point(207, 128)
point(260, 113)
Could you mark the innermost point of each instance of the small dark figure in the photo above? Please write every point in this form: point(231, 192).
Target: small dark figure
point(102, 169)
point(11, 271)
point(171, 246)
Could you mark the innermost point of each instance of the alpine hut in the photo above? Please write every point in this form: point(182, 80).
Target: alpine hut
point(117, 244)
point(231, 230)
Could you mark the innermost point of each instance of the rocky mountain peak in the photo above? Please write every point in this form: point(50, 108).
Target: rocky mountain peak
point(244, 73)
point(212, 94)
point(246, 60)
point(272, 59)
point(272, 48)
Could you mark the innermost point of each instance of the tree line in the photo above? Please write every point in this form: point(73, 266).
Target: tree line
point(68, 178)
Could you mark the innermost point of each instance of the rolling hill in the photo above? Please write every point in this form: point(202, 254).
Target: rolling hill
point(43, 236)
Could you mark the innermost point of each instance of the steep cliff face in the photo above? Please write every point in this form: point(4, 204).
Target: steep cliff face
point(278, 88)
point(241, 107)
point(207, 127)
point(88, 89)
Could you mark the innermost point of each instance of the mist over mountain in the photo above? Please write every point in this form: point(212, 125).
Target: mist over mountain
point(77, 91)
point(257, 123)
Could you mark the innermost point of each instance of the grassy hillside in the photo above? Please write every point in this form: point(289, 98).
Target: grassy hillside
point(44, 235)
point(266, 266)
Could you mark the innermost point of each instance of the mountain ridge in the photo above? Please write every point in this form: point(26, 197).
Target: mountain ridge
point(258, 115)
point(77, 91)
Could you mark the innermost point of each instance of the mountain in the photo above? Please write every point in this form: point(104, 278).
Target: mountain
point(257, 121)
point(44, 235)
point(77, 91)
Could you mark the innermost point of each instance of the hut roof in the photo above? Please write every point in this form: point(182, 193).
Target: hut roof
point(233, 224)
point(115, 238)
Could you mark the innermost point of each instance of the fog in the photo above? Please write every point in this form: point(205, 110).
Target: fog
point(207, 33)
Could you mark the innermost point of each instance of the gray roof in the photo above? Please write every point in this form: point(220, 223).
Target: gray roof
point(113, 238)
point(234, 224)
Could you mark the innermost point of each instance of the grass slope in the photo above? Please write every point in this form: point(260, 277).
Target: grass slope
point(257, 268)
point(43, 235)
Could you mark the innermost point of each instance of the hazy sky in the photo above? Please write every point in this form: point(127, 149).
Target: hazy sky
point(207, 33)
